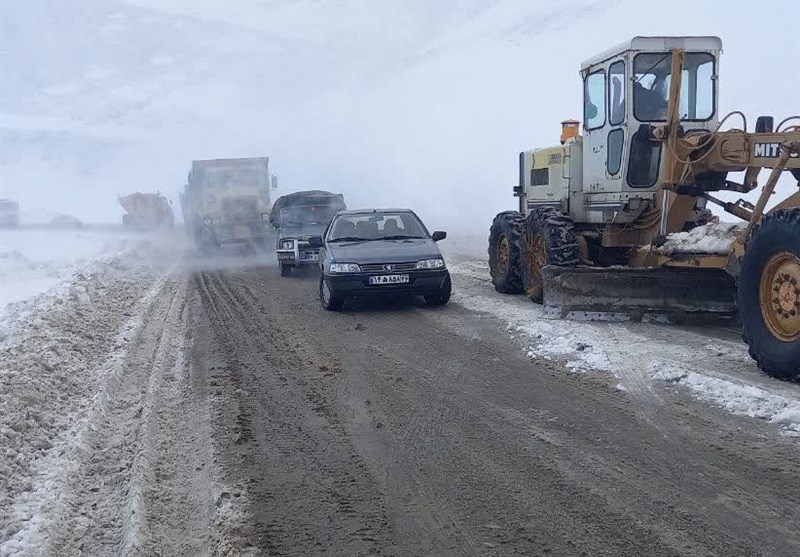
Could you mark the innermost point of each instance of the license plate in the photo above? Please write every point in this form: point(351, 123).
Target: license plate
point(389, 279)
point(241, 231)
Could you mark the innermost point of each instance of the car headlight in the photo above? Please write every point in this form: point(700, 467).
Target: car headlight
point(437, 263)
point(345, 268)
point(287, 244)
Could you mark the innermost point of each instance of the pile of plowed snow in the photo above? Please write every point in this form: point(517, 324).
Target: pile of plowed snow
point(709, 238)
point(56, 350)
point(35, 260)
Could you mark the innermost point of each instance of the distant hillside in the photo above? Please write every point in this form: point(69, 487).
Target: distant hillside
point(415, 103)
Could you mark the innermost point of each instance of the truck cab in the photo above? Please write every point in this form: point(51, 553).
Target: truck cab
point(298, 217)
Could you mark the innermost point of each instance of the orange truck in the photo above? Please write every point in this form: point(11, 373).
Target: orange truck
point(146, 211)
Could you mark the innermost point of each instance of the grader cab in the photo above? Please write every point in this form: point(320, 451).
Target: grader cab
point(615, 220)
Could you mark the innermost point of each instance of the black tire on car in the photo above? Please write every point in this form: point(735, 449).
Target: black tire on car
point(328, 299)
point(286, 270)
point(548, 239)
point(504, 261)
point(768, 294)
point(442, 297)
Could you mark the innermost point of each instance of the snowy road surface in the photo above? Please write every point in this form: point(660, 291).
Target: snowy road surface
point(160, 407)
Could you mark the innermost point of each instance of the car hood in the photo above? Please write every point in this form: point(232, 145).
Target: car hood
point(384, 251)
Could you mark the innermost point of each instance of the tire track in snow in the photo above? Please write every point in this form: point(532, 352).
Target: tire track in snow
point(102, 506)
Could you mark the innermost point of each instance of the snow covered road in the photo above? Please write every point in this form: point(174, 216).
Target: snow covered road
point(157, 403)
point(711, 361)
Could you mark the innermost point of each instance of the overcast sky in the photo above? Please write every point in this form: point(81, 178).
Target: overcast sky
point(393, 103)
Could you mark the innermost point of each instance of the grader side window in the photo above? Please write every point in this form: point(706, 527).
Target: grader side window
point(616, 86)
point(594, 100)
point(616, 138)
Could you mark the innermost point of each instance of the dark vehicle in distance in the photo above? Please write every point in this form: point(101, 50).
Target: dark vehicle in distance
point(9, 213)
point(379, 252)
point(297, 217)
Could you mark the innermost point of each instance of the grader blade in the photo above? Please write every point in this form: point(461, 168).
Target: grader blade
point(636, 294)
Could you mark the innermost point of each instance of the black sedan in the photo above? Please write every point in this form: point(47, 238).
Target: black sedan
point(379, 252)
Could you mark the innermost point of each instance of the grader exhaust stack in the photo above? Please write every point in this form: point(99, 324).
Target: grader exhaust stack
point(615, 222)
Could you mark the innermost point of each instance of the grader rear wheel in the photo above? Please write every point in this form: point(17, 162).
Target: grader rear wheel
point(504, 238)
point(549, 239)
point(535, 260)
point(768, 294)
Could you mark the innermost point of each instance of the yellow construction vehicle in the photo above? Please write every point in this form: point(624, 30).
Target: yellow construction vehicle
point(615, 221)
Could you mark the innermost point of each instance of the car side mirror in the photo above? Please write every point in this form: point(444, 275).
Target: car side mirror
point(439, 235)
point(315, 242)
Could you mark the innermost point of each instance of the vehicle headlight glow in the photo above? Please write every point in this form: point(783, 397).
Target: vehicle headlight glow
point(345, 268)
point(287, 244)
point(437, 263)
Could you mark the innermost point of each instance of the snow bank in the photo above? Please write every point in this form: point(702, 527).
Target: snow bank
point(56, 349)
point(639, 355)
point(35, 260)
point(709, 238)
point(748, 400)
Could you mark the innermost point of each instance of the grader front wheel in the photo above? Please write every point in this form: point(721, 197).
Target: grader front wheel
point(780, 296)
point(769, 294)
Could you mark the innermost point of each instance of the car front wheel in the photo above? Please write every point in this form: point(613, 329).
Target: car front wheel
point(442, 297)
point(329, 300)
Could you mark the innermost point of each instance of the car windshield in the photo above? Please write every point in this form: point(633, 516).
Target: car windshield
point(377, 226)
point(306, 215)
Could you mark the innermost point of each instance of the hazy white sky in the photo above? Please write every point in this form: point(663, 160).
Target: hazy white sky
point(393, 103)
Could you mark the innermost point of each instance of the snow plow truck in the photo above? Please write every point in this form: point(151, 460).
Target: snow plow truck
point(615, 221)
point(227, 201)
point(146, 211)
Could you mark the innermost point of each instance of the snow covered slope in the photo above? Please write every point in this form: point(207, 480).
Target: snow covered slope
point(36, 260)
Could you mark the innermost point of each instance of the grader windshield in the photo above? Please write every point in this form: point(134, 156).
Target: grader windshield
point(651, 78)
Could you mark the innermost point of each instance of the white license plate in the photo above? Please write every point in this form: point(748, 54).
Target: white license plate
point(389, 279)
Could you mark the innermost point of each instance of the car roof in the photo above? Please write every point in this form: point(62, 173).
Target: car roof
point(353, 212)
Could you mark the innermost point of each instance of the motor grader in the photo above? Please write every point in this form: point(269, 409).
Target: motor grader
point(601, 215)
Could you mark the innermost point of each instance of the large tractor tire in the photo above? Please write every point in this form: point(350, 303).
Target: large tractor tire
point(768, 294)
point(504, 261)
point(549, 239)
